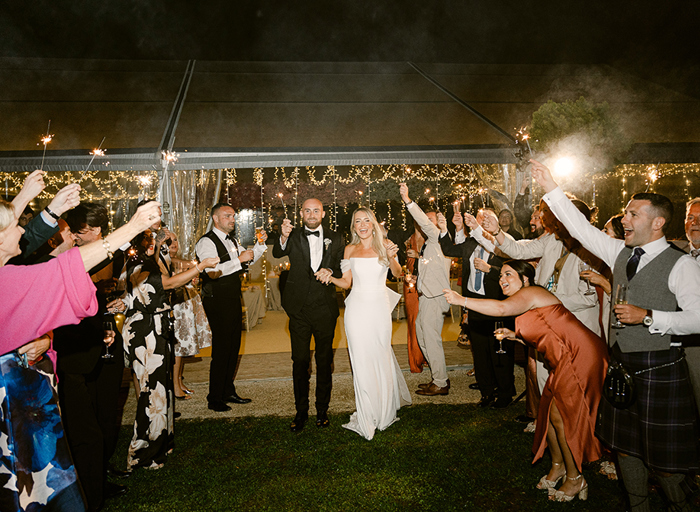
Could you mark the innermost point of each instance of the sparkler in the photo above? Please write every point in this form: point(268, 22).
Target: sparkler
point(284, 206)
point(95, 152)
point(526, 138)
point(46, 139)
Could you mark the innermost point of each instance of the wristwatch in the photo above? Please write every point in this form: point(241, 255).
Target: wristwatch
point(648, 319)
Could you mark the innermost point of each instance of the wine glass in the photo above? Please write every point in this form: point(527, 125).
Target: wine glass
point(499, 336)
point(620, 298)
point(585, 267)
point(108, 328)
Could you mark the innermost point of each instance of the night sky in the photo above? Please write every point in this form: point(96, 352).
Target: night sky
point(651, 38)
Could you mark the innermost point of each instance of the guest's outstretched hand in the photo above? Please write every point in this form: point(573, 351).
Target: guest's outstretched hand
point(65, 199)
point(441, 222)
point(145, 215)
point(507, 332)
point(457, 220)
point(490, 224)
point(453, 297)
point(286, 229)
point(403, 190)
point(470, 221)
point(543, 176)
point(209, 262)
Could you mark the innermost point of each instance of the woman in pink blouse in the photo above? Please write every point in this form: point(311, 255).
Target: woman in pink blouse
point(34, 300)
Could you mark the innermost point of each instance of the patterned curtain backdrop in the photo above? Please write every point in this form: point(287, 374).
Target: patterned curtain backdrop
point(193, 194)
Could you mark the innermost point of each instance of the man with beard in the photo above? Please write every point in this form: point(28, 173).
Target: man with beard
point(221, 297)
point(312, 307)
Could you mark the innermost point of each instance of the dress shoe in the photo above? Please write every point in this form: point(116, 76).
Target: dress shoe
point(298, 422)
point(112, 490)
point(486, 401)
point(183, 397)
point(501, 403)
point(219, 406)
point(322, 420)
point(428, 384)
point(433, 390)
point(117, 473)
point(235, 399)
point(176, 415)
point(474, 385)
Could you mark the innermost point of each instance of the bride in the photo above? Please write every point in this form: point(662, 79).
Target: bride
point(380, 388)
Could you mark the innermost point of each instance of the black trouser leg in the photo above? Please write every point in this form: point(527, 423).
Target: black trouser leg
point(503, 369)
point(83, 434)
point(108, 386)
point(481, 337)
point(225, 318)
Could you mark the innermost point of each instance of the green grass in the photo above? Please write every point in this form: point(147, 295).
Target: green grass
point(437, 457)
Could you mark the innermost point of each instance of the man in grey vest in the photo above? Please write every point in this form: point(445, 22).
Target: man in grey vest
point(658, 430)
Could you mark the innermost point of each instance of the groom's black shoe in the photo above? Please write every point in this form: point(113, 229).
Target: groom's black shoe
point(299, 421)
point(235, 399)
point(322, 420)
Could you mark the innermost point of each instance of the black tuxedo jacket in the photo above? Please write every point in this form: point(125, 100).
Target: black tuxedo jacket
point(464, 250)
point(301, 276)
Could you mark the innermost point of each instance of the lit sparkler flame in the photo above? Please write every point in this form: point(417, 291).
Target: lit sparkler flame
point(144, 181)
point(170, 156)
point(97, 152)
point(284, 206)
point(46, 139)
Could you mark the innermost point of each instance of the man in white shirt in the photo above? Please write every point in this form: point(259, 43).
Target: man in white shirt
point(692, 346)
point(658, 429)
point(221, 297)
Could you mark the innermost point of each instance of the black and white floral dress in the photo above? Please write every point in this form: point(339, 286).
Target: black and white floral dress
point(147, 336)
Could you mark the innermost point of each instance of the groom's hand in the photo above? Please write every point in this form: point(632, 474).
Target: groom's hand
point(324, 275)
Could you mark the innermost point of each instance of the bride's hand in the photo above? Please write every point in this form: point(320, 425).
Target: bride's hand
point(324, 275)
point(507, 332)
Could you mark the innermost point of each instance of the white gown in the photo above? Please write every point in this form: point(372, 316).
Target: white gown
point(380, 389)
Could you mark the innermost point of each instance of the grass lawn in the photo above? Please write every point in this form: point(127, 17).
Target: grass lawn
point(437, 457)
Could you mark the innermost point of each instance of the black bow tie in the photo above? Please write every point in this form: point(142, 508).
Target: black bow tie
point(314, 233)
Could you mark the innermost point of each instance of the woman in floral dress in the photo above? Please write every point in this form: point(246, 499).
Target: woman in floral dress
point(147, 350)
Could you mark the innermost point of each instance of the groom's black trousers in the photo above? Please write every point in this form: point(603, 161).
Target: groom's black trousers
point(315, 318)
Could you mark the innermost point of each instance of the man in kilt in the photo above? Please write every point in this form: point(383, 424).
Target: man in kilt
point(658, 431)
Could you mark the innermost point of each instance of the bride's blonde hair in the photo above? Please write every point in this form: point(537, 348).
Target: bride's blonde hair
point(377, 235)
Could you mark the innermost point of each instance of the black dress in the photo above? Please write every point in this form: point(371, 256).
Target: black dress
point(147, 350)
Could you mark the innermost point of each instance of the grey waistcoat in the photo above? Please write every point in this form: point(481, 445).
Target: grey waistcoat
point(648, 289)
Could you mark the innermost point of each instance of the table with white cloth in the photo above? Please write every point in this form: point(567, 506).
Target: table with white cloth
point(254, 301)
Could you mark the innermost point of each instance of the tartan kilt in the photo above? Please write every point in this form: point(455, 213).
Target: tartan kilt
point(660, 427)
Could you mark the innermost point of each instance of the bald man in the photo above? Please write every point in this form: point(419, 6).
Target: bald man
point(312, 306)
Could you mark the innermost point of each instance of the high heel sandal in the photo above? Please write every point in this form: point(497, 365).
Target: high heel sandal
point(549, 485)
point(582, 493)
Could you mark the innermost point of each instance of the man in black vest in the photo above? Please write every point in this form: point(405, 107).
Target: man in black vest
point(658, 430)
point(312, 307)
point(221, 297)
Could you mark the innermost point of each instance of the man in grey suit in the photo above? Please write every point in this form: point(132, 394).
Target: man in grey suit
point(433, 278)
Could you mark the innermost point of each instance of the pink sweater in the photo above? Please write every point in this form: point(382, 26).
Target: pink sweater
point(37, 298)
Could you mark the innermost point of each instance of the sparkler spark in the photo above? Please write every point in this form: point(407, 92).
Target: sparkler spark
point(45, 140)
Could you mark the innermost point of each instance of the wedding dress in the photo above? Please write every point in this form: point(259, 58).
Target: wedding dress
point(380, 388)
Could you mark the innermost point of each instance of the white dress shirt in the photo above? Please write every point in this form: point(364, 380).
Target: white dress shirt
point(206, 248)
point(315, 247)
point(683, 281)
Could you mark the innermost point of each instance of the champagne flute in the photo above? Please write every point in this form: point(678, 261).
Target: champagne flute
point(585, 267)
point(499, 336)
point(108, 328)
point(620, 298)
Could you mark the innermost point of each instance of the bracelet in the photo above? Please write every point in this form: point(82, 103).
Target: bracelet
point(56, 217)
point(465, 303)
point(197, 267)
point(497, 232)
point(107, 247)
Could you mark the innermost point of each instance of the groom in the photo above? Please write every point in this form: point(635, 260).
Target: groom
point(312, 307)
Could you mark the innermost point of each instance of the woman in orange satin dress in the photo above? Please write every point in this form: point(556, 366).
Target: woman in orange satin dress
point(577, 359)
point(416, 360)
